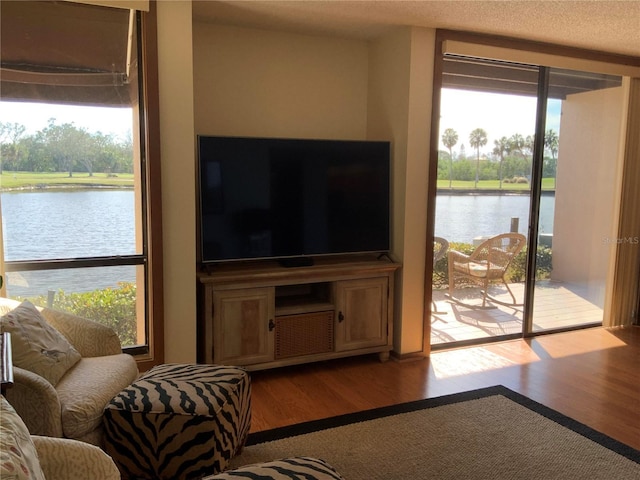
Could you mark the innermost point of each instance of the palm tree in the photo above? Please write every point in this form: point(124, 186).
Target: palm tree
point(528, 144)
point(517, 144)
point(477, 139)
point(449, 139)
point(551, 142)
point(500, 149)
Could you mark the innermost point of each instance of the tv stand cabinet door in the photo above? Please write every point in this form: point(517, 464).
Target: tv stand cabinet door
point(242, 326)
point(361, 311)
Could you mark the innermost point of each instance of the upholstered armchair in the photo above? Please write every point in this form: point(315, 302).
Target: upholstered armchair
point(65, 398)
point(65, 459)
point(46, 458)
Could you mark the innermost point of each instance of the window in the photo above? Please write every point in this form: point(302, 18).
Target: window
point(80, 180)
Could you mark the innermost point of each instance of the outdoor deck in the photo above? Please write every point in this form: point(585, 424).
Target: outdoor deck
point(556, 305)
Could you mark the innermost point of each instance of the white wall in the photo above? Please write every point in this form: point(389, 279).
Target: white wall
point(263, 83)
point(175, 70)
point(401, 82)
point(586, 189)
point(415, 212)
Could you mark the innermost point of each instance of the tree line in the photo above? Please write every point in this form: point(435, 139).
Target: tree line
point(510, 157)
point(63, 148)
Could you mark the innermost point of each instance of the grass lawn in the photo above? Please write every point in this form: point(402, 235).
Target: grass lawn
point(10, 180)
point(547, 184)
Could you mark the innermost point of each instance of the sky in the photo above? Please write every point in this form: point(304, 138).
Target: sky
point(35, 117)
point(499, 115)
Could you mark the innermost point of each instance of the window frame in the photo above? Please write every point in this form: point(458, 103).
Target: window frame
point(152, 353)
point(152, 175)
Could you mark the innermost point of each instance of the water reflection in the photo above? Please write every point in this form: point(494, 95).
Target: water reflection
point(461, 218)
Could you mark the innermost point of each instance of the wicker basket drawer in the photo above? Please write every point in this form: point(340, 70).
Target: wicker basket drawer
point(303, 334)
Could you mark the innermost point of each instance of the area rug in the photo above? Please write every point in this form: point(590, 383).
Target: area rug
point(491, 433)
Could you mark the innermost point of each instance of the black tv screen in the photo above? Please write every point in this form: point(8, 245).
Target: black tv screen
point(283, 198)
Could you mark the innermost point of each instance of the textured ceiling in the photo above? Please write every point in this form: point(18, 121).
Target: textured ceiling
point(608, 26)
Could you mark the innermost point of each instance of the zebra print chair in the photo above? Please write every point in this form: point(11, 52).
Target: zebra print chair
point(179, 421)
point(285, 469)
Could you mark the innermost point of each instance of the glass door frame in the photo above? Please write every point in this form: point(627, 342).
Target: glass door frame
point(579, 56)
point(534, 199)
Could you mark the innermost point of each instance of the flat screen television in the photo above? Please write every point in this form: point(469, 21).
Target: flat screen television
point(274, 198)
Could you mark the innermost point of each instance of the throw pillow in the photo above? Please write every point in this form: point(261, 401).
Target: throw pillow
point(18, 455)
point(36, 345)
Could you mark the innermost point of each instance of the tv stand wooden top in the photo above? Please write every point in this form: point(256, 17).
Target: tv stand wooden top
point(270, 272)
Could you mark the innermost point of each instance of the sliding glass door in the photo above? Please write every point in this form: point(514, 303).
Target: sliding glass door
point(525, 202)
point(575, 243)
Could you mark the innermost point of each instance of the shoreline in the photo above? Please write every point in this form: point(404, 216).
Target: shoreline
point(488, 191)
point(90, 186)
point(75, 186)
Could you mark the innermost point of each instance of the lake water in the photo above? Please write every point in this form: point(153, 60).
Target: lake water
point(57, 224)
point(461, 218)
point(47, 225)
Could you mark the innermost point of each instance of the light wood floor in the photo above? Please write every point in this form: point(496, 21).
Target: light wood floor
point(591, 375)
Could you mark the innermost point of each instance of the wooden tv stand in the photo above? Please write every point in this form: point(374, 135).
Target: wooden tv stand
point(262, 315)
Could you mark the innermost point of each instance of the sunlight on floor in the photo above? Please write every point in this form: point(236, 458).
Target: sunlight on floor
point(567, 344)
point(464, 361)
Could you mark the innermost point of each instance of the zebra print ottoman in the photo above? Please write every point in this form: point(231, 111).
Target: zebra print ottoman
point(286, 469)
point(179, 421)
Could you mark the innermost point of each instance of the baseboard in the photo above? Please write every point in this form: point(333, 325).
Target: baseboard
point(408, 357)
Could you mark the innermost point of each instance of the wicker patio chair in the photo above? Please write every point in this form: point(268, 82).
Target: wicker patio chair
point(440, 247)
point(487, 264)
